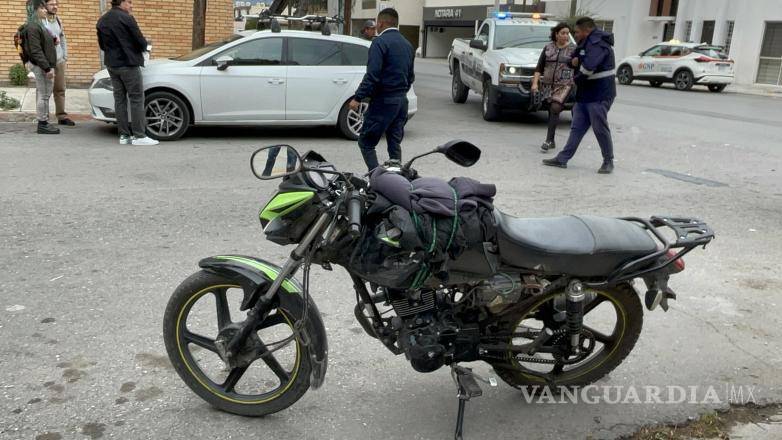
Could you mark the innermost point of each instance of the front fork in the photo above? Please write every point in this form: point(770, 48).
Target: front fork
point(574, 312)
point(262, 307)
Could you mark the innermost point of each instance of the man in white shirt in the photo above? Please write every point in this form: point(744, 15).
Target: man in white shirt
point(54, 26)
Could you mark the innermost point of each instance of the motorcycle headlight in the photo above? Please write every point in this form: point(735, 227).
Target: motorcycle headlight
point(103, 83)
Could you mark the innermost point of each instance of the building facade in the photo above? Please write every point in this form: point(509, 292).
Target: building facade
point(168, 25)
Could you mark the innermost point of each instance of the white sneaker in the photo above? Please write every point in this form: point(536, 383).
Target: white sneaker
point(125, 140)
point(145, 141)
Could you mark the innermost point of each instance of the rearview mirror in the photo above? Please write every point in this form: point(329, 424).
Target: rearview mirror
point(223, 62)
point(275, 161)
point(461, 152)
point(478, 44)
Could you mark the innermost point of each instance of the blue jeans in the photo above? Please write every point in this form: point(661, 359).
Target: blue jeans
point(586, 114)
point(385, 115)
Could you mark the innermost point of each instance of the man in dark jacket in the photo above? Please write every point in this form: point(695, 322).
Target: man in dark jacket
point(388, 79)
point(123, 45)
point(595, 94)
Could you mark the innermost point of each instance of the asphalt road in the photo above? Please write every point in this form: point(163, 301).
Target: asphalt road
point(95, 237)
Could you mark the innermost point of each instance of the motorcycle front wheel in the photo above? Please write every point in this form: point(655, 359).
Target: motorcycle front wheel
point(203, 306)
point(612, 323)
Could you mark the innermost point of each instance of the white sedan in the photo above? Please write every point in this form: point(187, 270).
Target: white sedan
point(287, 78)
point(683, 64)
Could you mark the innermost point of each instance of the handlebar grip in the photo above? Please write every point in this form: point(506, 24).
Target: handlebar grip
point(354, 214)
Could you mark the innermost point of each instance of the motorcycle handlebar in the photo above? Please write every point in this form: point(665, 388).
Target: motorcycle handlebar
point(354, 213)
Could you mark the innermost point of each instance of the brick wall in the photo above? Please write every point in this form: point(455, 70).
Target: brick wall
point(167, 23)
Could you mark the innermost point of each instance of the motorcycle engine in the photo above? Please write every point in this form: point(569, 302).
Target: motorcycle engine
point(505, 289)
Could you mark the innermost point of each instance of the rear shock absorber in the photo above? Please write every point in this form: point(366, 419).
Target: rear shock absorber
point(574, 310)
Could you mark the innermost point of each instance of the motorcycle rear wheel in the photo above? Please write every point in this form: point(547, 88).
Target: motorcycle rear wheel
point(615, 346)
point(268, 385)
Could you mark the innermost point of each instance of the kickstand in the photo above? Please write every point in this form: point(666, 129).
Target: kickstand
point(468, 388)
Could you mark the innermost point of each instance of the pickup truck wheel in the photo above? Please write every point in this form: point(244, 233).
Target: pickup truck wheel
point(716, 88)
point(655, 83)
point(491, 111)
point(458, 90)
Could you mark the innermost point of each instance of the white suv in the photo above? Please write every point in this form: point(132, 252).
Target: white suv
point(287, 78)
point(683, 64)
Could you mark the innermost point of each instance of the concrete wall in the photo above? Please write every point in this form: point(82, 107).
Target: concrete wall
point(439, 44)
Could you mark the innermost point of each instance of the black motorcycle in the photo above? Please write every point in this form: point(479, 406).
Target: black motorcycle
point(546, 302)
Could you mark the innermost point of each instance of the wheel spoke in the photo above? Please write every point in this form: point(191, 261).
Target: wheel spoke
point(600, 336)
point(274, 365)
point(223, 311)
point(599, 299)
point(558, 368)
point(233, 379)
point(201, 341)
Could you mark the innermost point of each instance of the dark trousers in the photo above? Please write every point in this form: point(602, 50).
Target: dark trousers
point(128, 86)
point(385, 115)
point(586, 114)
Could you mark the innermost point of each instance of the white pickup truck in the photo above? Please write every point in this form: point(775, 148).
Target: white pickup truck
point(499, 62)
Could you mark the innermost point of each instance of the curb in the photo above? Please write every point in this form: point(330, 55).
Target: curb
point(17, 116)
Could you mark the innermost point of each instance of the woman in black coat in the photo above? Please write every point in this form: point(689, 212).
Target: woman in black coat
point(40, 48)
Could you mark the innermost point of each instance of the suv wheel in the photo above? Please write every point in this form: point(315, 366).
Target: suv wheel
point(625, 75)
point(683, 80)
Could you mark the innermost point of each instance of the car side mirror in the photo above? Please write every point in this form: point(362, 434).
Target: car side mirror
point(223, 62)
point(478, 44)
point(461, 152)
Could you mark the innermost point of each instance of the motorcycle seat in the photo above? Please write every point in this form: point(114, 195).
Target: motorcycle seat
point(579, 245)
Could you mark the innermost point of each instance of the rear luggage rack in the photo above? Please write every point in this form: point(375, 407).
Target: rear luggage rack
point(690, 233)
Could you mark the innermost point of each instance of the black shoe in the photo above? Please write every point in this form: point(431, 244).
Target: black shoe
point(548, 145)
point(607, 168)
point(554, 163)
point(47, 128)
point(66, 121)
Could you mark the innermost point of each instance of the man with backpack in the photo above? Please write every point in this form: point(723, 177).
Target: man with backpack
point(54, 25)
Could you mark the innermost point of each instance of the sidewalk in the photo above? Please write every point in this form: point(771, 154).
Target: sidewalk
point(76, 104)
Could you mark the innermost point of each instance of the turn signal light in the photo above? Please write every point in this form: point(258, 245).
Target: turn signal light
point(678, 264)
point(703, 59)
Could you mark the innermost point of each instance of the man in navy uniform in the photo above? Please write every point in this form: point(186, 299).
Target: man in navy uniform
point(388, 79)
point(595, 92)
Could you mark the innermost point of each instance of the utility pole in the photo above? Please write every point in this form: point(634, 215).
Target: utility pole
point(199, 23)
point(346, 17)
point(573, 7)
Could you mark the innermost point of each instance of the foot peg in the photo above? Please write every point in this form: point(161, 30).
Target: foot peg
point(468, 388)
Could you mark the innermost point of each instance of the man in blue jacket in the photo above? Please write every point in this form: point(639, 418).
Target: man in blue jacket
point(595, 92)
point(388, 79)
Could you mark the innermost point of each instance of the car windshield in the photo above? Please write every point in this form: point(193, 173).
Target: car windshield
point(206, 49)
point(533, 37)
point(713, 52)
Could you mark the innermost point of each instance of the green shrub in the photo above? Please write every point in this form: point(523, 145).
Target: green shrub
point(6, 102)
point(18, 75)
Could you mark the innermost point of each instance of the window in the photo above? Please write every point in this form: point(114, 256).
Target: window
point(712, 52)
point(533, 37)
point(668, 31)
point(483, 35)
point(606, 25)
point(206, 49)
point(707, 33)
point(368, 4)
point(355, 55)
point(770, 65)
point(687, 30)
point(653, 52)
point(665, 51)
point(729, 36)
point(314, 52)
point(676, 51)
point(258, 52)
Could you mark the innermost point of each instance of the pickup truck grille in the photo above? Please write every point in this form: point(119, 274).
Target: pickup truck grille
point(527, 71)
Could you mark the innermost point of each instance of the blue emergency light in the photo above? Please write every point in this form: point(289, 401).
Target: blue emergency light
point(502, 15)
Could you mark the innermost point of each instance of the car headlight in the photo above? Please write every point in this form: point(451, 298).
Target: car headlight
point(510, 73)
point(103, 83)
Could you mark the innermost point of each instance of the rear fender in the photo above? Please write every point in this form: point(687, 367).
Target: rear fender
point(256, 276)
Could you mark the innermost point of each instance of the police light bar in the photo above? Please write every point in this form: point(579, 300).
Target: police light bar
point(502, 15)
